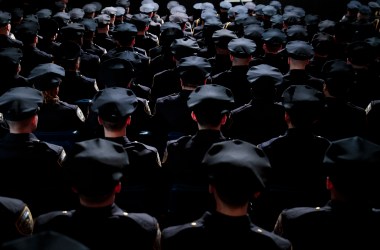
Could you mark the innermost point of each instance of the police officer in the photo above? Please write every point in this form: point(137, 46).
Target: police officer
point(262, 118)
point(10, 59)
point(144, 39)
point(115, 108)
point(241, 51)
point(102, 37)
point(49, 33)
point(27, 32)
point(210, 105)
point(17, 219)
point(291, 152)
point(20, 147)
point(171, 117)
point(54, 114)
point(299, 54)
point(74, 86)
point(94, 170)
point(352, 180)
point(5, 30)
point(88, 38)
point(237, 172)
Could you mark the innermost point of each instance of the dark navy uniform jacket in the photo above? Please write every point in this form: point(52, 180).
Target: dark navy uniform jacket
point(218, 231)
point(104, 41)
point(333, 226)
point(297, 173)
point(30, 171)
point(139, 189)
point(32, 56)
point(102, 228)
point(147, 41)
point(75, 87)
point(182, 171)
point(59, 117)
point(6, 42)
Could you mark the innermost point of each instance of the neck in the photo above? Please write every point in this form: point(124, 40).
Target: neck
point(113, 134)
point(84, 201)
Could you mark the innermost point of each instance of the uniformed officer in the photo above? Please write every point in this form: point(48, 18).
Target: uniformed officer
point(209, 105)
point(88, 38)
point(171, 117)
point(167, 81)
point(237, 172)
point(144, 39)
point(10, 59)
point(74, 86)
point(48, 42)
point(102, 37)
point(5, 29)
point(115, 108)
point(54, 114)
point(323, 45)
point(48, 240)
point(261, 119)
point(27, 32)
point(221, 61)
point(352, 180)
point(290, 153)
point(94, 169)
point(17, 219)
point(299, 54)
point(241, 51)
point(20, 147)
point(89, 10)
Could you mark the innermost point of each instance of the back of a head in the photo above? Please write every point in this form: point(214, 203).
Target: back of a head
point(94, 167)
point(10, 59)
point(339, 77)
point(304, 104)
point(115, 72)
point(46, 76)
point(237, 169)
point(194, 70)
point(210, 102)
point(352, 165)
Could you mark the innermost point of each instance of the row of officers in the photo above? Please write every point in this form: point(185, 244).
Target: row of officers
point(110, 193)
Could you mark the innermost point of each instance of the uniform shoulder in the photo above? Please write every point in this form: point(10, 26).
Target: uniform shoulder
point(277, 240)
point(180, 141)
point(143, 220)
point(51, 216)
point(172, 231)
point(302, 212)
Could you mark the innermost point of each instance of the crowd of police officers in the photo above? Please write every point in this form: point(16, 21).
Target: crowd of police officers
point(150, 125)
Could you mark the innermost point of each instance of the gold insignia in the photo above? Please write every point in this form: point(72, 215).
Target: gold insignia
point(193, 224)
point(125, 214)
point(24, 223)
point(62, 157)
point(80, 114)
point(369, 107)
point(1, 117)
point(317, 208)
point(259, 230)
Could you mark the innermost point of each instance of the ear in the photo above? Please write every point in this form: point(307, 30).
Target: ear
point(118, 188)
point(329, 184)
point(224, 119)
point(231, 58)
point(74, 189)
point(256, 195)
point(100, 120)
point(211, 189)
point(193, 116)
point(286, 117)
point(128, 121)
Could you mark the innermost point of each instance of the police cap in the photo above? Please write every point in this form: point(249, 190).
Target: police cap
point(276, 4)
point(76, 14)
point(353, 5)
point(95, 166)
point(178, 8)
point(264, 74)
point(179, 17)
point(44, 13)
point(46, 76)
point(352, 165)
point(269, 10)
point(146, 8)
point(5, 18)
point(327, 26)
point(183, 47)
point(339, 77)
point(120, 11)
point(141, 19)
point(89, 24)
point(27, 29)
point(297, 32)
point(47, 240)
point(171, 4)
point(194, 68)
point(250, 6)
point(123, 3)
point(114, 104)
point(322, 43)
point(20, 103)
point(359, 53)
point(291, 18)
point(98, 5)
point(89, 8)
point(103, 19)
point(10, 57)
point(124, 31)
point(211, 97)
point(312, 19)
point(302, 97)
point(62, 18)
point(235, 165)
point(299, 50)
point(110, 10)
point(72, 30)
point(222, 37)
point(242, 47)
point(115, 72)
point(254, 32)
point(374, 5)
point(69, 51)
point(16, 219)
point(225, 5)
point(274, 36)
